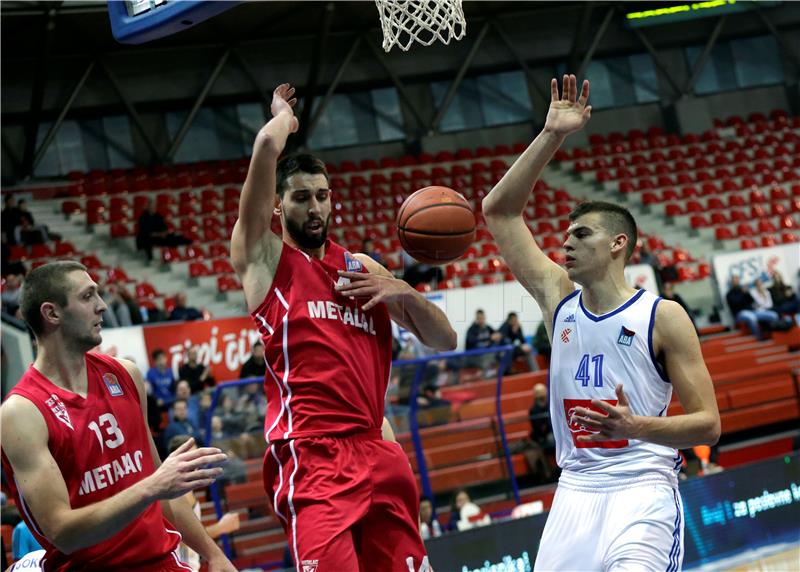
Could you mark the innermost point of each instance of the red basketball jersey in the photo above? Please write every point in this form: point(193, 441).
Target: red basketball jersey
point(101, 447)
point(328, 360)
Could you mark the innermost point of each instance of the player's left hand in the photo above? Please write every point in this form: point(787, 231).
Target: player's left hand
point(617, 423)
point(373, 286)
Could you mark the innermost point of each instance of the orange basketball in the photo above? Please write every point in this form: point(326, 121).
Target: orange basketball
point(436, 225)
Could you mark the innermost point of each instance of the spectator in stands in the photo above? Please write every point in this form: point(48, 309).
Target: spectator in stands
point(183, 312)
point(36, 233)
point(161, 380)
point(481, 335)
point(118, 313)
point(539, 416)
point(762, 298)
point(252, 404)
point(256, 365)
point(180, 424)
point(6, 265)
point(11, 216)
point(416, 273)
point(465, 514)
point(152, 230)
point(541, 342)
point(668, 293)
point(741, 305)
point(198, 375)
point(23, 541)
point(11, 292)
point(511, 330)
point(429, 527)
point(784, 298)
point(225, 525)
point(184, 391)
point(233, 420)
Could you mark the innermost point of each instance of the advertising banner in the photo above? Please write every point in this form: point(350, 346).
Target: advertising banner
point(761, 263)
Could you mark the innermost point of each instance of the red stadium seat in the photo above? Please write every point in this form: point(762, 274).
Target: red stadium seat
point(221, 266)
point(747, 243)
point(788, 237)
point(227, 283)
point(117, 275)
point(768, 240)
point(198, 269)
point(723, 233)
point(41, 251)
point(64, 248)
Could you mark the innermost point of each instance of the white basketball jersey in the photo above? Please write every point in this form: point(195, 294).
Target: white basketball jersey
point(591, 355)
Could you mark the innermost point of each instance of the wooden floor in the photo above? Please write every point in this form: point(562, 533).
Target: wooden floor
point(784, 559)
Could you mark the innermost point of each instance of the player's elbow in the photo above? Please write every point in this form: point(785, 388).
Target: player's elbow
point(63, 540)
point(712, 429)
point(266, 143)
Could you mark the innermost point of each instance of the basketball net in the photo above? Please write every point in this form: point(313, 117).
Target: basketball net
point(423, 21)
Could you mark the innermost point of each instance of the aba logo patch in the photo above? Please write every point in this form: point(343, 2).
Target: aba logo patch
point(310, 565)
point(625, 336)
point(565, 335)
point(570, 318)
point(113, 385)
point(352, 263)
point(59, 410)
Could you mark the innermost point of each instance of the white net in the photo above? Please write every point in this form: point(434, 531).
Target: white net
point(424, 21)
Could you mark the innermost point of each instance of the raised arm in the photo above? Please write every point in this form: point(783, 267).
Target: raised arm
point(675, 338)
point(41, 484)
point(255, 249)
point(503, 208)
point(406, 306)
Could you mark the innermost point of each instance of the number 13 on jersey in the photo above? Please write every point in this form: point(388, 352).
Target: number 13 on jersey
point(583, 370)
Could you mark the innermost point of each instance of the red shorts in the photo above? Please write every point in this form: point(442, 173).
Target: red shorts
point(347, 504)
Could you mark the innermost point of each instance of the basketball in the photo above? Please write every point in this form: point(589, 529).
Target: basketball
point(436, 225)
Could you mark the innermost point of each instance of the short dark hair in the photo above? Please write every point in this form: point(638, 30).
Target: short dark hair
point(176, 442)
point(174, 403)
point(511, 315)
point(617, 220)
point(157, 354)
point(45, 284)
point(298, 163)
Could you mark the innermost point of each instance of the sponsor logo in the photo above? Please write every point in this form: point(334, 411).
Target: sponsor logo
point(59, 410)
point(310, 565)
point(565, 335)
point(625, 336)
point(113, 385)
point(352, 263)
point(578, 429)
point(570, 318)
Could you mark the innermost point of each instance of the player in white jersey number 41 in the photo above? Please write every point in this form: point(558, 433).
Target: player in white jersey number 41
point(618, 353)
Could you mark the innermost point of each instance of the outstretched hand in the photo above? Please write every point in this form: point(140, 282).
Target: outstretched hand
point(568, 113)
point(283, 100)
point(618, 422)
point(373, 286)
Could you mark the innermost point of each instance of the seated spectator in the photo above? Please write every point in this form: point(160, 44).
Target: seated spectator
point(541, 342)
point(225, 525)
point(429, 527)
point(481, 335)
point(152, 230)
point(253, 405)
point(784, 299)
point(511, 330)
point(118, 313)
point(183, 312)
point(366, 248)
point(11, 217)
point(465, 514)
point(23, 541)
point(28, 232)
point(184, 391)
point(233, 420)
point(198, 375)
point(416, 273)
point(180, 424)
point(668, 293)
point(161, 380)
point(762, 298)
point(11, 292)
point(742, 306)
point(6, 266)
point(256, 365)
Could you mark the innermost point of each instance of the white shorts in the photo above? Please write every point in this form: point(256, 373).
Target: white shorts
point(621, 525)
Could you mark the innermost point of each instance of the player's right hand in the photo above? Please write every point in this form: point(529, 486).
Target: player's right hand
point(187, 469)
point(283, 101)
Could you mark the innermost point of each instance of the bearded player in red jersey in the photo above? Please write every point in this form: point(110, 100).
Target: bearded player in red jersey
point(78, 454)
point(346, 498)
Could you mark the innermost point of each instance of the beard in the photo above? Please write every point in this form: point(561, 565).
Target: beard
point(304, 238)
point(80, 339)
